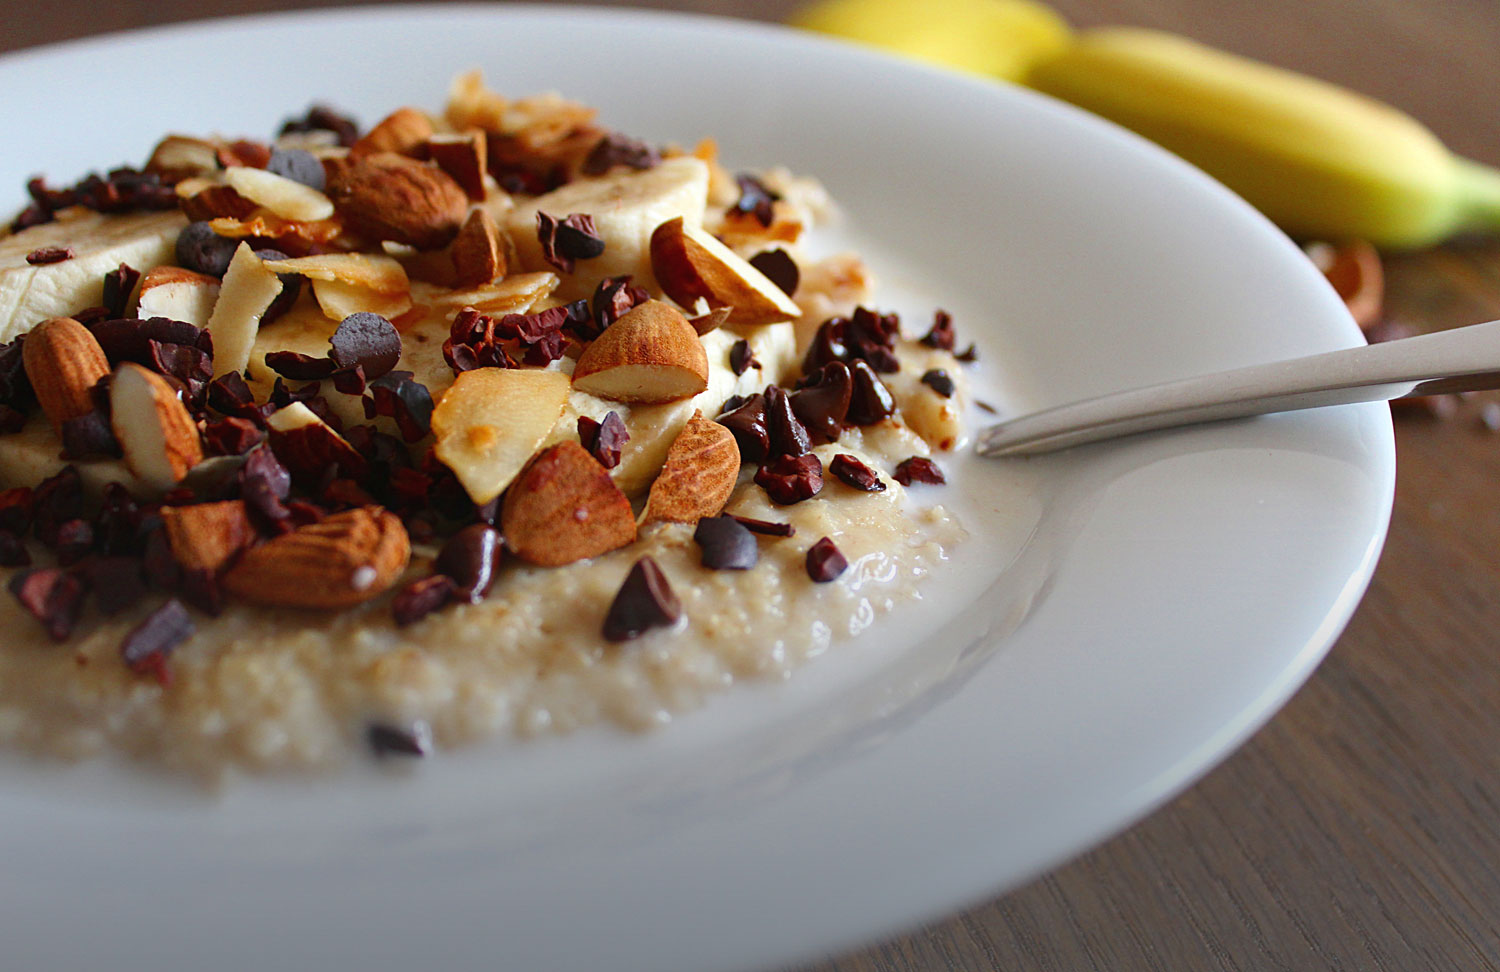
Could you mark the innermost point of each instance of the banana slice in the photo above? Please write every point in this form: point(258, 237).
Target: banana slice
point(626, 207)
point(100, 243)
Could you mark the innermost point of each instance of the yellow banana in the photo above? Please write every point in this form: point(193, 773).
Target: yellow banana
point(996, 38)
point(1319, 160)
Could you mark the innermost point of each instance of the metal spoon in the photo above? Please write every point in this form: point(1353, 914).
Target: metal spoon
point(1461, 359)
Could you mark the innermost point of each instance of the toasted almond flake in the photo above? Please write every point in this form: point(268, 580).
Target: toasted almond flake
point(372, 271)
point(339, 299)
point(246, 293)
point(285, 197)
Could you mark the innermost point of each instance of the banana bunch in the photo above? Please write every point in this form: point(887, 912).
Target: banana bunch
point(1321, 161)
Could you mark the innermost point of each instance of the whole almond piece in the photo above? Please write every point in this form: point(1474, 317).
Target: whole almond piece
point(337, 562)
point(478, 251)
point(701, 470)
point(402, 131)
point(464, 156)
point(387, 196)
point(206, 536)
point(564, 507)
point(63, 362)
point(690, 264)
point(155, 430)
point(650, 355)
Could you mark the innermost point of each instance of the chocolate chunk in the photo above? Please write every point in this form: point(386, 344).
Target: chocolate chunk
point(941, 336)
point(617, 149)
point(822, 402)
point(827, 345)
point(791, 479)
point(386, 740)
point(471, 558)
point(53, 596)
point(869, 400)
point(854, 473)
point(741, 358)
point(603, 440)
point(825, 562)
point(43, 255)
point(939, 381)
point(918, 470)
point(747, 421)
point(755, 199)
point(367, 340)
point(565, 241)
point(789, 437)
point(726, 544)
point(645, 601)
point(422, 597)
point(778, 267)
point(766, 528)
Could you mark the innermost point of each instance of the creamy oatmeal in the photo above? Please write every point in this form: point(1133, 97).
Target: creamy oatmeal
point(488, 422)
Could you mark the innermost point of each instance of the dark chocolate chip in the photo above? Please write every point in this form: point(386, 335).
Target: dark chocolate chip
point(869, 400)
point(291, 287)
point(755, 199)
point(741, 358)
point(747, 421)
point(422, 597)
point(616, 149)
point(386, 740)
point(766, 528)
point(918, 470)
point(822, 403)
point(367, 340)
point(645, 601)
point(939, 381)
point(726, 544)
point(471, 558)
point(299, 165)
point(789, 437)
point(778, 267)
point(202, 250)
point(791, 479)
point(825, 562)
point(854, 473)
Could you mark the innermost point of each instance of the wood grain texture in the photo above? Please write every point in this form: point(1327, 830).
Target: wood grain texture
point(1358, 830)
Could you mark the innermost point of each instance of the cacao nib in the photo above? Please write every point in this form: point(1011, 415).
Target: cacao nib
point(617, 149)
point(89, 435)
point(56, 500)
point(726, 544)
point(53, 596)
point(778, 267)
point(789, 437)
point(15, 387)
point(187, 364)
point(470, 558)
point(422, 597)
point(755, 199)
point(13, 552)
point(321, 118)
point(645, 601)
point(741, 358)
point(968, 355)
point(119, 524)
point(350, 381)
point(869, 400)
point(385, 740)
point(162, 571)
point(229, 395)
point(767, 528)
point(119, 284)
point(852, 472)
point(120, 190)
point(44, 255)
point(11, 420)
point(200, 588)
point(129, 339)
point(72, 541)
point(568, 240)
point(822, 403)
point(295, 366)
point(825, 562)
point(918, 470)
point(612, 299)
point(400, 396)
point(939, 381)
point(15, 510)
point(941, 336)
point(146, 647)
point(231, 436)
point(827, 345)
point(264, 484)
point(117, 582)
point(791, 479)
point(603, 440)
point(368, 341)
point(747, 421)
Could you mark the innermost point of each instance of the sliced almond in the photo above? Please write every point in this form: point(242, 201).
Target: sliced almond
point(651, 355)
point(491, 420)
point(63, 361)
point(463, 156)
point(206, 536)
point(285, 197)
point(338, 562)
point(690, 263)
point(177, 294)
point(403, 131)
point(701, 470)
point(179, 157)
point(386, 196)
point(564, 507)
point(244, 296)
point(155, 430)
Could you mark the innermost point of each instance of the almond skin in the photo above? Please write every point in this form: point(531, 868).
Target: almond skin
point(650, 355)
point(564, 507)
point(701, 470)
point(338, 562)
point(206, 536)
point(387, 196)
point(402, 131)
point(478, 252)
point(464, 157)
point(691, 265)
point(63, 362)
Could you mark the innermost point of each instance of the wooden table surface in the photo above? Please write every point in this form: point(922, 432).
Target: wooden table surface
point(1360, 829)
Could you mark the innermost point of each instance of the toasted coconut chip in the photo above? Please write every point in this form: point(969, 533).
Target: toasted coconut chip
point(247, 291)
point(515, 294)
point(191, 186)
point(285, 197)
point(270, 226)
point(339, 299)
point(472, 105)
point(371, 271)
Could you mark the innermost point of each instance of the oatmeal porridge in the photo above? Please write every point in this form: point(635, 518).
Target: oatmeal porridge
point(494, 421)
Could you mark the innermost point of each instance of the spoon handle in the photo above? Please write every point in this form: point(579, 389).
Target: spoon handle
point(1460, 359)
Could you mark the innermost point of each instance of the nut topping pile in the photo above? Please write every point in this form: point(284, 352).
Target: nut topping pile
point(378, 370)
